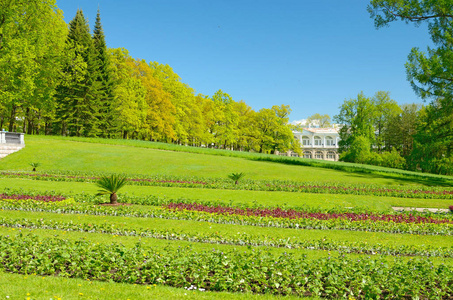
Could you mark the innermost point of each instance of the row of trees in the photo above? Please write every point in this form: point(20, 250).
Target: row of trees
point(60, 79)
point(377, 130)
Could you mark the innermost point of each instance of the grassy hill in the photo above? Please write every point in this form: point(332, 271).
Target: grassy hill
point(138, 157)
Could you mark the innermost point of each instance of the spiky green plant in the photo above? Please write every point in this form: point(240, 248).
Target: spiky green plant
point(35, 165)
point(236, 177)
point(110, 185)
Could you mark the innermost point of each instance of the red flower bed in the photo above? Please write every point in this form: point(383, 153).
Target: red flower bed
point(44, 198)
point(294, 214)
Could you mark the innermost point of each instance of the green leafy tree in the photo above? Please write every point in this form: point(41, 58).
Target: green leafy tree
point(317, 120)
point(226, 130)
point(401, 128)
point(432, 149)
point(32, 37)
point(357, 118)
point(386, 110)
point(129, 101)
point(247, 133)
point(358, 151)
point(110, 185)
point(275, 133)
point(189, 124)
point(430, 74)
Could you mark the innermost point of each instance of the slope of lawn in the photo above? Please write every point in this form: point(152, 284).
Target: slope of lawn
point(66, 154)
point(81, 222)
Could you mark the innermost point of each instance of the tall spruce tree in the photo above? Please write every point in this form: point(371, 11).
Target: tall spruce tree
point(106, 111)
point(78, 108)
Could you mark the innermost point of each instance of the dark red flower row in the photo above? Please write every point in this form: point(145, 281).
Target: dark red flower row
point(294, 214)
point(44, 198)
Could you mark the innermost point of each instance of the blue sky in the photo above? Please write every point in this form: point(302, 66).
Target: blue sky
point(309, 54)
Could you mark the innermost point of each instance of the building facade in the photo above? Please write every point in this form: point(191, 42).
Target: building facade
point(319, 143)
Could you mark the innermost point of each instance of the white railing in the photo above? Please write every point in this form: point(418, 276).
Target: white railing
point(11, 138)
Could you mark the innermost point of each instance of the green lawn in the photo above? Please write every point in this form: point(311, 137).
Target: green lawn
point(61, 154)
point(19, 286)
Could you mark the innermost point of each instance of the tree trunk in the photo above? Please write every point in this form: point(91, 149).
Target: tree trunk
point(113, 198)
point(12, 118)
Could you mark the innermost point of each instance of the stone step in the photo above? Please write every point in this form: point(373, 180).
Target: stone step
point(5, 150)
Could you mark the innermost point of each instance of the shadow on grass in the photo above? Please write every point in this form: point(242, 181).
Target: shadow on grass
point(401, 176)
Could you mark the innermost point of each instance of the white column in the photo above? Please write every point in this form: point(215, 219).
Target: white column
point(2, 137)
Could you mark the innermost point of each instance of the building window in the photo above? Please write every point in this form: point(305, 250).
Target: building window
point(318, 155)
point(318, 141)
point(329, 141)
point(305, 141)
point(307, 154)
point(330, 155)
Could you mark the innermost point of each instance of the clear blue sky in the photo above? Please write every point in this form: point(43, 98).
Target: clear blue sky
point(309, 54)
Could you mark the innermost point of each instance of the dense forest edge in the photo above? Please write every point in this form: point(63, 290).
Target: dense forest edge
point(61, 79)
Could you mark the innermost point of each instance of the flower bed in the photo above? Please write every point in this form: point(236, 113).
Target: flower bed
point(43, 198)
point(439, 228)
point(233, 271)
point(294, 214)
point(239, 239)
point(255, 185)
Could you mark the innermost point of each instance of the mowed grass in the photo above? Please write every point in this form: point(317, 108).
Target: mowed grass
point(233, 197)
point(65, 155)
point(20, 286)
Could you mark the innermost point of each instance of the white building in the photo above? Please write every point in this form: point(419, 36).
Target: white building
point(319, 143)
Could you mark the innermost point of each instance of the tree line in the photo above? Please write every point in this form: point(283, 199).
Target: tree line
point(59, 79)
point(377, 130)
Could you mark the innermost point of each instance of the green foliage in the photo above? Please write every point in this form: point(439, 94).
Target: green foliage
point(236, 177)
point(31, 50)
point(393, 159)
point(35, 165)
point(431, 76)
point(106, 114)
point(433, 142)
point(317, 120)
point(78, 95)
point(358, 151)
point(356, 116)
point(260, 271)
point(110, 185)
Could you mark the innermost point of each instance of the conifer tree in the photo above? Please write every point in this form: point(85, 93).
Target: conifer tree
point(77, 111)
point(104, 78)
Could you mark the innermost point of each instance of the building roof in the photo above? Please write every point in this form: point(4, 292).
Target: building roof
point(322, 130)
